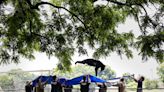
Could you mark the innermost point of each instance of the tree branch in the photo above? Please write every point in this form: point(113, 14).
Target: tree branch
point(128, 4)
point(118, 3)
point(139, 24)
point(44, 3)
point(140, 5)
point(40, 35)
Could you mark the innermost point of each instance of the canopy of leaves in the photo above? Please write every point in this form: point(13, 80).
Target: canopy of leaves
point(67, 26)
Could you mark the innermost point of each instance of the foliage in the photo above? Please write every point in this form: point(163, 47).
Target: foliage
point(130, 83)
point(6, 82)
point(15, 79)
point(79, 70)
point(75, 71)
point(150, 84)
point(161, 72)
point(107, 74)
point(68, 26)
point(19, 74)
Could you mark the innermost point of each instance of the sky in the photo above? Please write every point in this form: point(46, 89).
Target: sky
point(120, 65)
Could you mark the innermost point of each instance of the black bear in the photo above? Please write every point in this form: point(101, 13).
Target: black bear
point(92, 62)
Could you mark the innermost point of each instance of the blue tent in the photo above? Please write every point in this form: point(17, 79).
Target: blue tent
point(64, 81)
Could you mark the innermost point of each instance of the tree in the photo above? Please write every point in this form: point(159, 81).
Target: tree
point(149, 84)
point(130, 83)
point(161, 72)
point(79, 70)
point(75, 71)
point(6, 82)
point(107, 74)
point(15, 79)
point(72, 25)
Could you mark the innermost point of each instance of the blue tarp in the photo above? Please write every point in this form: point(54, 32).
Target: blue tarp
point(77, 80)
point(48, 79)
point(73, 81)
point(43, 78)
